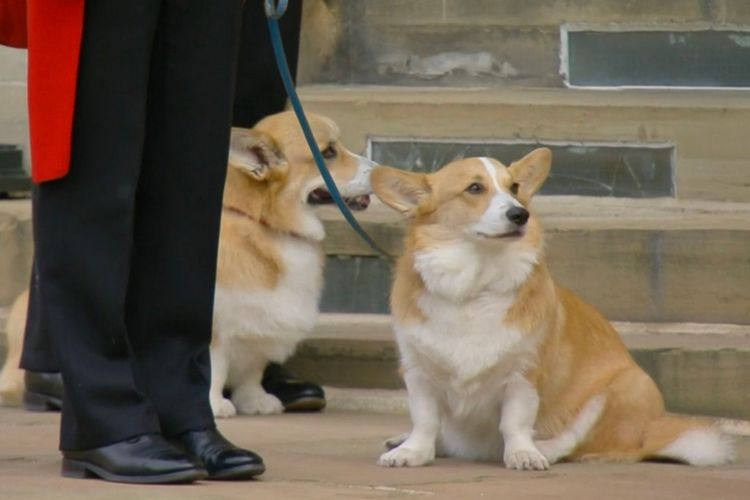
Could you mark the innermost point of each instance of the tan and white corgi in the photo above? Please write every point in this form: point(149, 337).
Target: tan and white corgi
point(498, 361)
point(11, 376)
point(270, 265)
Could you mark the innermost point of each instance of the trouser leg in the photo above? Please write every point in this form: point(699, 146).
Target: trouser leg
point(84, 230)
point(259, 89)
point(178, 207)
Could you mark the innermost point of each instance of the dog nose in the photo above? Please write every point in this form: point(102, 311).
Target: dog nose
point(517, 215)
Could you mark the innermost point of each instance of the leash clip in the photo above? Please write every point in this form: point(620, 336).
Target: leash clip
point(275, 11)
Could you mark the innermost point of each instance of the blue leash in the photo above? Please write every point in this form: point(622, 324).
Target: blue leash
point(273, 14)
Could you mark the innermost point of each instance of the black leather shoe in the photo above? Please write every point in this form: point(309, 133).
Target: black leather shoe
point(146, 459)
point(43, 392)
point(294, 394)
point(222, 459)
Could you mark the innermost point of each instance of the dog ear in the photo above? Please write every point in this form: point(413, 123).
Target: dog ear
point(400, 190)
point(531, 171)
point(255, 153)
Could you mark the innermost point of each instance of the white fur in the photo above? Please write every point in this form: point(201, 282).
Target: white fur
point(520, 406)
point(494, 220)
point(360, 183)
point(702, 447)
point(252, 327)
point(463, 365)
point(566, 442)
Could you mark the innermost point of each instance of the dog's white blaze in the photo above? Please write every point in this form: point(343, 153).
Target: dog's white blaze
point(494, 220)
point(360, 183)
point(491, 170)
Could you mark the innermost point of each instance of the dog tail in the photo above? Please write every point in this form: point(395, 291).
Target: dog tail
point(696, 441)
point(12, 376)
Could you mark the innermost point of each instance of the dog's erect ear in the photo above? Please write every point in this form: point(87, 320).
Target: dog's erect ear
point(255, 153)
point(531, 171)
point(400, 190)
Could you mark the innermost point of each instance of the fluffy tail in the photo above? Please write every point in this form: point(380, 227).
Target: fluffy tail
point(11, 377)
point(690, 440)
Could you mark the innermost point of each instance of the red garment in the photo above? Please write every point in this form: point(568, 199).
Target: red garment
point(13, 23)
point(54, 40)
point(55, 30)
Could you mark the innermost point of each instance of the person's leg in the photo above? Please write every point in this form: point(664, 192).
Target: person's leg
point(178, 207)
point(259, 89)
point(38, 351)
point(43, 386)
point(83, 231)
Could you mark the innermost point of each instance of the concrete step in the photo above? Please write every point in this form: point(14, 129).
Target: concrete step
point(700, 368)
point(706, 128)
point(636, 260)
point(13, 119)
point(475, 42)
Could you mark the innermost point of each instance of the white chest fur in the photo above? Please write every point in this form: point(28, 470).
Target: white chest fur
point(286, 312)
point(465, 339)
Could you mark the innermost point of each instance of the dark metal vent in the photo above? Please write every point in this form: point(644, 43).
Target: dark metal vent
point(13, 177)
point(706, 58)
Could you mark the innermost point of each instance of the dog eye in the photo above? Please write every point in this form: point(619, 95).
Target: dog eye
point(329, 152)
point(474, 188)
point(514, 188)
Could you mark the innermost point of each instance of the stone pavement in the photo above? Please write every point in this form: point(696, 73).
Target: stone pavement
point(332, 455)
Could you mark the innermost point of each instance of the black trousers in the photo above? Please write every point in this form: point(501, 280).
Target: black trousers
point(126, 243)
point(259, 89)
point(259, 93)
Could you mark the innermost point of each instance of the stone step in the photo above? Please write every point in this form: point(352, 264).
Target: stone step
point(636, 260)
point(705, 128)
point(477, 42)
point(13, 119)
point(700, 368)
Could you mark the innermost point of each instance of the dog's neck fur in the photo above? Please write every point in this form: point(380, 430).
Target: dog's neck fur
point(266, 204)
point(459, 269)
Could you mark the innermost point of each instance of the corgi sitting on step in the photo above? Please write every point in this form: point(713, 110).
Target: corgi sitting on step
point(499, 362)
point(270, 264)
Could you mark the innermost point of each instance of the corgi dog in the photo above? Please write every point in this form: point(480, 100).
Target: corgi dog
point(12, 377)
point(499, 362)
point(270, 263)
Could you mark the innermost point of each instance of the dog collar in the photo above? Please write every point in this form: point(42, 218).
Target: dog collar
point(263, 222)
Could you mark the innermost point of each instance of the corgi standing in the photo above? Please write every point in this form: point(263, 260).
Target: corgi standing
point(499, 362)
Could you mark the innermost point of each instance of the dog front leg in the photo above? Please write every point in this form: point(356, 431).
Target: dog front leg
point(419, 447)
point(248, 395)
point(221, 406)
point(520, 406)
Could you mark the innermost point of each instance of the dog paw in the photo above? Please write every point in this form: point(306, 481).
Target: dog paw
point(259, 404)
point(525, 459)
point(406, 457)
point(223, 408)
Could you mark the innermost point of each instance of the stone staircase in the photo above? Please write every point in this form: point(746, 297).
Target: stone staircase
point(671, 267)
